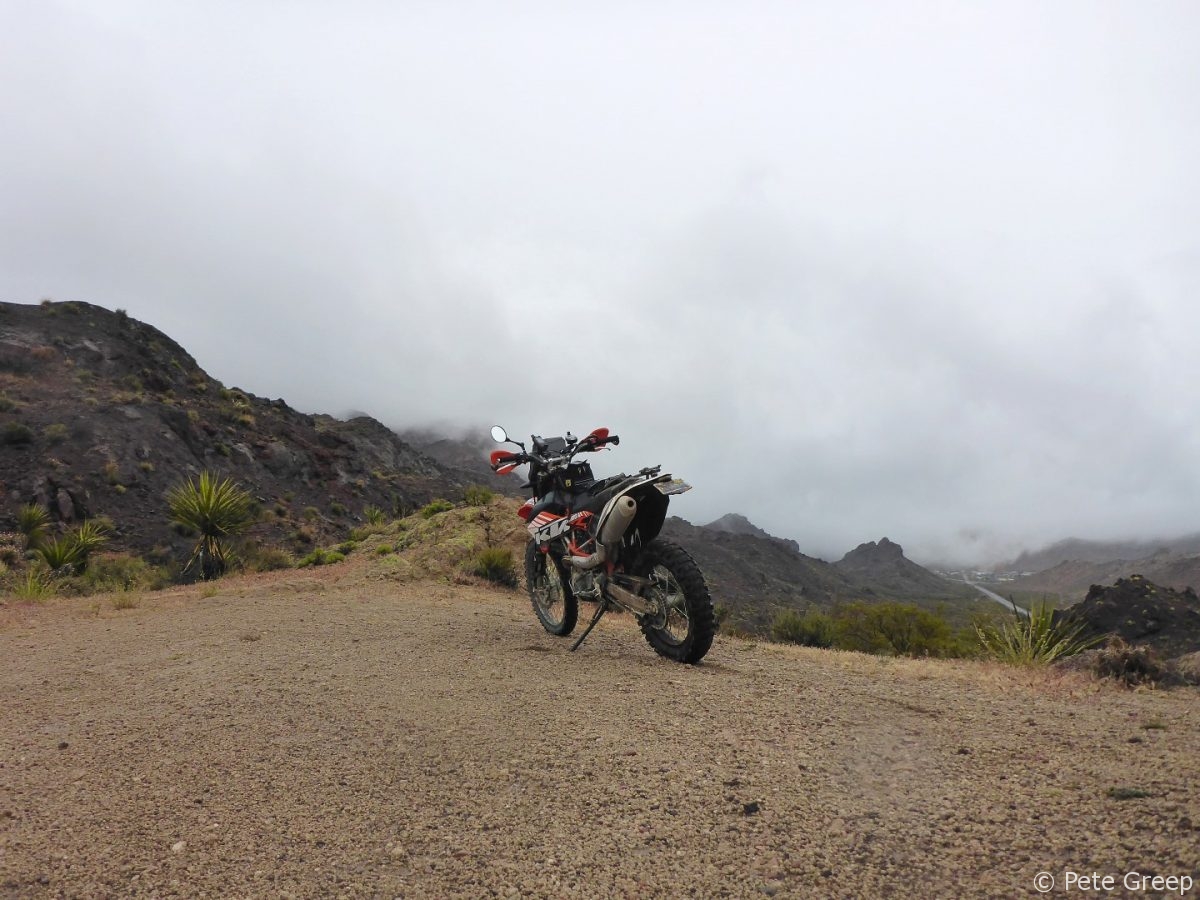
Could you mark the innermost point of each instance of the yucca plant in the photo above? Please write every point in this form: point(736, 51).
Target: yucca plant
point(91, 535)
point(68, 555)
point(1032, 640)
point(374, 515)
point(32, 521)
point(216, 509)
point(61, 554)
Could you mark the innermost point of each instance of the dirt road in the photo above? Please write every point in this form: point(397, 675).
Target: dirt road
point(340, 734)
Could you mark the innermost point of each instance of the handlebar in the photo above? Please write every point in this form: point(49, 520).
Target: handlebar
point(589, 444)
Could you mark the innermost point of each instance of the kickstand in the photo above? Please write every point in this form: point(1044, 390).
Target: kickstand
point(601, 608)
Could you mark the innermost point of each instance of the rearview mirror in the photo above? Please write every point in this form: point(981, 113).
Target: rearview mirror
point(499, 435)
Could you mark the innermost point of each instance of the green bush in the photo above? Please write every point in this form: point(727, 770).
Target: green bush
point(812, 629)
point(383, 549)
point(437, 506)
point(1032, 640)
point(311, 513)
point(347, 547)
point(16, 433)
point(337, 509)
point(55, 434)
point(496, 565)
point(374, 515)
point(478, 495)
point(891, 628)
point(321, 558)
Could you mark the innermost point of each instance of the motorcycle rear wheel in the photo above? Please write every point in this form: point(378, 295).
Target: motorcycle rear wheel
point(685, 631)
point(550, 592)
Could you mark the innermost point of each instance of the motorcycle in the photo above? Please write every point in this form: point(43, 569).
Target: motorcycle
point(598, 540)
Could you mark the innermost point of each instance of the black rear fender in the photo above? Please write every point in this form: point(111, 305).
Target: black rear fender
point(651, 513)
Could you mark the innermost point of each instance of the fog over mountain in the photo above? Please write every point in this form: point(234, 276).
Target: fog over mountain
point(853, 270)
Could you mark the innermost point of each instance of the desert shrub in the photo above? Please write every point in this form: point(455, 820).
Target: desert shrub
point(374, 515)
point(478, 495)
point(12, 548)
point(223, 450)
point(32, 521)
point(112, 472)
point(16, 433)
point(311, 513)
point(34, 587)
point(281, 511)
point(7, 404)
point(1128, 664)
point(122, 572)
point(347, 547)
point(1031, 640)
point(383, 549)
point(321, 558)
point(337, 509)
point(303, 535)
point(146, 467)
point(246, 420)
point(437, 506)
point(496, 565)
point(55, 434)
point(217, 509)
point(256, 558)
point(812, 629)
point(899, 629)
point(125, 600)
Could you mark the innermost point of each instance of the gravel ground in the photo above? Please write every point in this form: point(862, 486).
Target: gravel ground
point(340, 734)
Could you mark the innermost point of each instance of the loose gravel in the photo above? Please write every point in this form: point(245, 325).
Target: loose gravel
point(340, 734)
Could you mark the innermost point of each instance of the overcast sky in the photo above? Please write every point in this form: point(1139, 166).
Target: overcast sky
point(923, 270)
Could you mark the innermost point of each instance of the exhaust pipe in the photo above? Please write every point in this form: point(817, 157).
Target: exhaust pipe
point(618, 521)
point(614, 529)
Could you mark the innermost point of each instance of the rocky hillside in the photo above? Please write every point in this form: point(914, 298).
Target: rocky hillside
point(1069, 581)
point(756, 576)
point(1074, 550)
point(101, 414)
point(883, 567)
point(466, 453)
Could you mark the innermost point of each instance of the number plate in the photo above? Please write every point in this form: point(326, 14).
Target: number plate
point(674, 486)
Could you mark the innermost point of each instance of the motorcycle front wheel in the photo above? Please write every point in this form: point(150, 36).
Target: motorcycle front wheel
point(684, 629)
point(550, 592)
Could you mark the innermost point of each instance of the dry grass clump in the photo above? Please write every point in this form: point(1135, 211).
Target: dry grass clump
point(1128, 664)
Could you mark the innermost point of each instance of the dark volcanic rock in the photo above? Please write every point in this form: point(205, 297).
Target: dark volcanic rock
point(1144, 613)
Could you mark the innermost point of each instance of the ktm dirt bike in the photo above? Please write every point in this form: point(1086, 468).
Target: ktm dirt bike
point(597, 539)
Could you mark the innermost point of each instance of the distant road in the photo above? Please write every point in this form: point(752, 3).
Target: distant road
point(992, 595)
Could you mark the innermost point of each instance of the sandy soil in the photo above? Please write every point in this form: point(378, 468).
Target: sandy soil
point(342, 734)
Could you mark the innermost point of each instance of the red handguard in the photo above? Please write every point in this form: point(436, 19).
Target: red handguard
point(504, 462)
